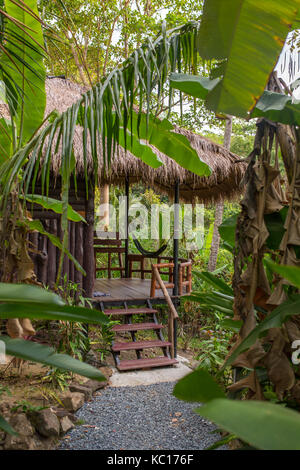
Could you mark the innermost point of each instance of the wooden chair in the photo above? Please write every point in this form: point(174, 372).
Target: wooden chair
point(110, 244)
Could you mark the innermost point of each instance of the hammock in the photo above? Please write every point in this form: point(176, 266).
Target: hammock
point(150, 254)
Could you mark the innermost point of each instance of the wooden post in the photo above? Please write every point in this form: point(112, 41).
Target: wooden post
point(42, 257)
point(65, 267)
point(88, 244)
point(180, 280)
point(35, 247)
point(175, 255)
point(175, 239)
point(153, 283)
point(189, 278)
point(51, 274)
point(72, 250)
point(78, 251)
point(59, 235)
point(126, 229)
point(104, 200)
point(88, 248)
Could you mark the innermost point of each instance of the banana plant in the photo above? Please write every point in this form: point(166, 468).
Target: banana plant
point(259, 424)
point(270, 105)
point(246, 38)
point(278, 316)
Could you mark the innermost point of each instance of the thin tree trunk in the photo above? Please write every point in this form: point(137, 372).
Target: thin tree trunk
point(79, 65)
point(126, 6)
point(212, 263)
point(104, 200)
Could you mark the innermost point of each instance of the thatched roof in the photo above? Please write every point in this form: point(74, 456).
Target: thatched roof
point(223, 183)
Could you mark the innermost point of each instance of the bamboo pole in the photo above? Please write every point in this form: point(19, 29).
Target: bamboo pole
point(173, 315)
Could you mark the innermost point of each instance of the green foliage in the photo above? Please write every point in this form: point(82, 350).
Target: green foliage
point(211, 348)
point(291, 273)
point(193, 85)
point(270, 105)
point(208, 239)
point(242, 145)
point(278, 108)
point(211, 309)
point(263, 425)
point(266, 426)
point(6, 427)
point(246, 28)
point(227, 230)
point(45, 355)
point(275, 225)
point(140, 150)
point(215, 281)
point(275, 319)
point(54, 205)
point(21, 293)
point(4, 390)
point(102, 34)
point(105, 338)
point(57, 377)
point(23, 301)
point(188, 389)
point(176, 146)
point(26, 407)
point(24, 61)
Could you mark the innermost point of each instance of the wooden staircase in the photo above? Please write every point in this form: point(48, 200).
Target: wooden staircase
point(131, 328)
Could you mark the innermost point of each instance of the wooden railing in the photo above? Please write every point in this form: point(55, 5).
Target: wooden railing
point(185, 277)
point(173, 315)
point(154, 282)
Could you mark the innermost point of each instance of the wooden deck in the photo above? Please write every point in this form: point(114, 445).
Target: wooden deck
point(130, 289)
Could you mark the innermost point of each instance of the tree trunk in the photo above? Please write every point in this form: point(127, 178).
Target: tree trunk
point(104, 200)
point(212, 263)
point(126, 6)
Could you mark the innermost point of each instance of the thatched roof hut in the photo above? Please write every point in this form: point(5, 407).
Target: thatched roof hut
point(223, 183)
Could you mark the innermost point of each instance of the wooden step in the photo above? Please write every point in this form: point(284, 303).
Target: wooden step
point(129, 311)
point(136, 327)
point(140, 345)
point(145, 363)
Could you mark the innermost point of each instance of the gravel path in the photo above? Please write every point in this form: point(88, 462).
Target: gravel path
point(140, 418)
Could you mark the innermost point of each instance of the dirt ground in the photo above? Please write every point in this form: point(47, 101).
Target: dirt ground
point(28, 386)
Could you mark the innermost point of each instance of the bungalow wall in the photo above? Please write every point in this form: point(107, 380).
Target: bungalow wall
point(80, 244)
